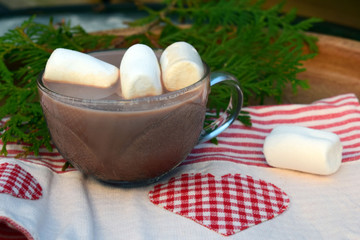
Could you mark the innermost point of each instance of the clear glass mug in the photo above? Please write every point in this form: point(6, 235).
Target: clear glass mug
point(135, 142)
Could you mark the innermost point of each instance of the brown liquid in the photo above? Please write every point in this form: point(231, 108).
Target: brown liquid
point(126, 146)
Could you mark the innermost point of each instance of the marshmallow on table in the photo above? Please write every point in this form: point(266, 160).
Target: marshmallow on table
point(303, 149)
point(139, 73)
point(84, 76)
point(181, 66)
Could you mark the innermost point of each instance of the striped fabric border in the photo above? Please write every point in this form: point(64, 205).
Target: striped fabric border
point(243, 145)
point(52, 160)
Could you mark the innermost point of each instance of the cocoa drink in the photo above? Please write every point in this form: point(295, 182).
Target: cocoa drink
point(128, 141)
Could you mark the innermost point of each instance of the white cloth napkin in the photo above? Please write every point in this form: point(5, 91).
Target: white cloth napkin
point(40, 201)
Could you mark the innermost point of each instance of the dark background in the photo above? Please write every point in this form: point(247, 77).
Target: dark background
point(341, 18)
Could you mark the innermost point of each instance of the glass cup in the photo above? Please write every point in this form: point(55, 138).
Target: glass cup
point(137, 141)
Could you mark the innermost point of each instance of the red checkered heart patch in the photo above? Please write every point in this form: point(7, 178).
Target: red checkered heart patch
point(19, 183)
point(227, 205)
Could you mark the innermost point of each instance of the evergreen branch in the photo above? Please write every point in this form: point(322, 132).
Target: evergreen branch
point(23, 55)
point(263, 48)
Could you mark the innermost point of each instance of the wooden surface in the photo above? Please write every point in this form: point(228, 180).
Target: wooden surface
point(345, 12)
point(335, 70)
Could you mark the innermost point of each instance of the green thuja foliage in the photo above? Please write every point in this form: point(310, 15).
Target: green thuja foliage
point(23, 55)
point(263, 48)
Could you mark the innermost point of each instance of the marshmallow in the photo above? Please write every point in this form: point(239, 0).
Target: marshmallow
point(88, 76)
point(181, 66)
point(303, 149)
point(139, 73)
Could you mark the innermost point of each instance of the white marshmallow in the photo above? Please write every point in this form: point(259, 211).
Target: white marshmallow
point(303, 149)
point(139, 73)
point(181, 66)
point(81, 70)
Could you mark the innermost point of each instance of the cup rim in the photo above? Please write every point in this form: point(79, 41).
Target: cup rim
point(134, 101)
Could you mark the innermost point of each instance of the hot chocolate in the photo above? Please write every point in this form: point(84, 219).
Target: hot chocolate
point(130, 141)
point(126, 140)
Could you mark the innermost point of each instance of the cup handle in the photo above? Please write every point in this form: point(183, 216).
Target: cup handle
point(231, 112)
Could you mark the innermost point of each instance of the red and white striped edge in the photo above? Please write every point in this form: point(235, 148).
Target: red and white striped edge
point(52, 160)
point(243, 145)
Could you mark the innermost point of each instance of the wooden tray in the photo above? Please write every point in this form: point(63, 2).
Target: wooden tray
point(335, 70)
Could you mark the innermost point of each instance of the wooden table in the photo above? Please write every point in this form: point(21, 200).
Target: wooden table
point(335, 70)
